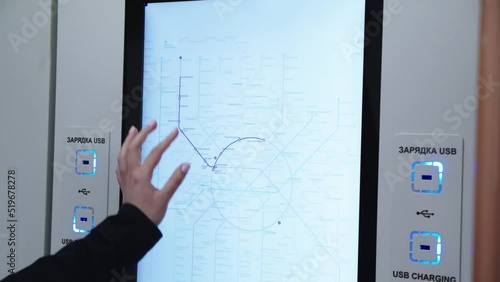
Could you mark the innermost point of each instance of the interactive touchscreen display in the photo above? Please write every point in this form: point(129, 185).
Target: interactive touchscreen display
point(267, 96)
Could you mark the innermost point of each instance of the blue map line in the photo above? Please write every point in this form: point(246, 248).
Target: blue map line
point(215, 249)
point(190, 202)
point(297, 214)
point(199, 103)
point(314, 153)
point(214, 166)
point(159, 119)
point(307, 160)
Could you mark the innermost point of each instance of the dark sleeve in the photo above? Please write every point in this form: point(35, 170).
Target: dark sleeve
point(117, 243)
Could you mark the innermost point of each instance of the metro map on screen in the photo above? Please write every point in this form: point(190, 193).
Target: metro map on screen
point(268, 104)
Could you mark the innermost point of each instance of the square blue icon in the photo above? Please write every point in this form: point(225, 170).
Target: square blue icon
point(427, 177)
point(86, 162)
point(83, 219)
point(425, 247)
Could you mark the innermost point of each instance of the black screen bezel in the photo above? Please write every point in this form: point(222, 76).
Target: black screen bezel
point(132, 115)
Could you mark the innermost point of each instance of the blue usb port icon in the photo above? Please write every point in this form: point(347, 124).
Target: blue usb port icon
point(427, 177)
point(83, 219)
point(425, 247)
point(86, 162)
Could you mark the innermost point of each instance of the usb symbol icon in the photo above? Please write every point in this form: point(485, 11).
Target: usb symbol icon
point(426, 213)
point(84, 192)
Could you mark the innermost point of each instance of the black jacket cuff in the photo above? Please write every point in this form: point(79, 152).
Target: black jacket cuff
point(130, 233)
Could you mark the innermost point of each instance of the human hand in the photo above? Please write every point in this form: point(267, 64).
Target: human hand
point(135, 178)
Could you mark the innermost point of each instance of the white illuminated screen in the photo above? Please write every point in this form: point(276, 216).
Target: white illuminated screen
point(268, 98)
